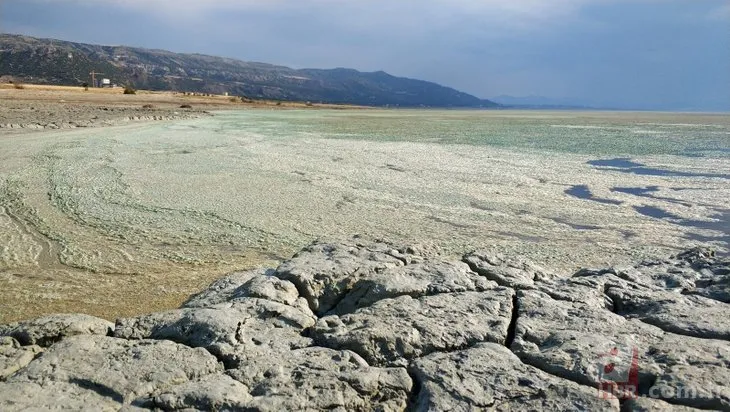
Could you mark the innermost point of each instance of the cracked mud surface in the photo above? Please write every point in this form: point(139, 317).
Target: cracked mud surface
point(370, 325)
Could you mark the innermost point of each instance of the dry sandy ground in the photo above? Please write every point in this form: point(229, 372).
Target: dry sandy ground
point(169, 100)
point(37, 107)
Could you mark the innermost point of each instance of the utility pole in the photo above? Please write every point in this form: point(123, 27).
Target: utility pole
point(93, 77)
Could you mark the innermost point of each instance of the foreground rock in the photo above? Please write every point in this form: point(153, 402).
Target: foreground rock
point(318, 378)
point(394, 331)
point(570, 341)
point(48, 330)
point(363, 325)
point(105, 372)
point(233, 331)
point(489, 376)
point(14, 357)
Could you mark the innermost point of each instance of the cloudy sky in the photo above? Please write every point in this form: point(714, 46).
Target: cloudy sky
point(662, 54)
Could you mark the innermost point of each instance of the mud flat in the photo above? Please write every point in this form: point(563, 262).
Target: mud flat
point(126, 220)
point(22, 117)
point(38, 107)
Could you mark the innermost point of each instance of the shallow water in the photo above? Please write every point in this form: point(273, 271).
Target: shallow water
point(600, 133)
point(583, 192)
point(126, 220)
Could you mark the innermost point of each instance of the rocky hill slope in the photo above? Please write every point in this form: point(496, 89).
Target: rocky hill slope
point(369, 326)
point(50, 61)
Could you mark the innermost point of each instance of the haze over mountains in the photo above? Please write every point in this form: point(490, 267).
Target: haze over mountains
point(539, 102)
point(50, 61)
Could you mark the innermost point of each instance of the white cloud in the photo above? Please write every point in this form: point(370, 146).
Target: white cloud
point(721, 13)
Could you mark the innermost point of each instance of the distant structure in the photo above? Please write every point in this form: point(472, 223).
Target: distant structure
point(93, 75)
point(106, 83)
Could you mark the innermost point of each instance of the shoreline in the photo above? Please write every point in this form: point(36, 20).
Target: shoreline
point(39, 107)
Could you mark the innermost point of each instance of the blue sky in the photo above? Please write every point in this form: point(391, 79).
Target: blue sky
point(647, 54)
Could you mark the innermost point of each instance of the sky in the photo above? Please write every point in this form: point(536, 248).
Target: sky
point(642, 54)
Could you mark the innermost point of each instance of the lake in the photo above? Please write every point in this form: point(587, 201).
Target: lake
point(91, 217)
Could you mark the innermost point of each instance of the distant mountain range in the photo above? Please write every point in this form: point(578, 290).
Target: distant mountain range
point(49, 61)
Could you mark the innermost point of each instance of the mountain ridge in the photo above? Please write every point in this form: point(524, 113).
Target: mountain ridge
point(52, 61)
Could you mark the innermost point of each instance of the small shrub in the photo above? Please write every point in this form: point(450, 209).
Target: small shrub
point(186, 106)
point(278, 103)
point(129, 90)
point(148, 106)
point(18, 85)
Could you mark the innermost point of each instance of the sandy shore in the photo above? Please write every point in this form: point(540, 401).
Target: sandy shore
point(37, 107)
point(62, 288)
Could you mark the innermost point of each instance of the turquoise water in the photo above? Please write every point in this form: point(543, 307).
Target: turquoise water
point(599, 133)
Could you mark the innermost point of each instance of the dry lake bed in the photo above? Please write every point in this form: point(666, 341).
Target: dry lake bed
point(131, 219)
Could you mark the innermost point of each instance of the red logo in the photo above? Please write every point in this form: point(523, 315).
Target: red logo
point(618, 373)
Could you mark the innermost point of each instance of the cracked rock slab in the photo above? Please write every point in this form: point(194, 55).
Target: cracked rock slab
point(569, 341)
point(566, 339)
point(232, 331)
point(47, 330)
point(54, 396)
point(490, 377)
point(415, 280)
point(671, 311)
point(697, 270)
point(212, 393)
point(14, 357)
point(104, 371)
point(386, 308)
point(627, 278)
point(271, 288)
point(240, 286)
point(393, 331)
point(509, 272)
point(715, 286)
point(323, 379)
point(325, 272)
point(705, 388)
point(223, 289)
point(577, 291)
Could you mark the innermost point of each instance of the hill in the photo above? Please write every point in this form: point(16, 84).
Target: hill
point(49, 61)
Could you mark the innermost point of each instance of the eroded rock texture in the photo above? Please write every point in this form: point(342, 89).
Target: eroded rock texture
point(361, 325)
